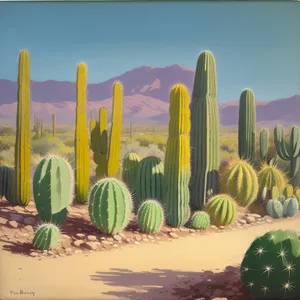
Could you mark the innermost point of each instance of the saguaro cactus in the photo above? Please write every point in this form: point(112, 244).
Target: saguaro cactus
point(205, 160)
point(82, 151)
point(177, 159)
point(38, 127)
point(53, 124)
point(247, 124)
point(264, 137)
point(289, 151)
point(22, 146)
point(106, 158)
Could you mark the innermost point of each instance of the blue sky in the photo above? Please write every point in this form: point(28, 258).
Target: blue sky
point(255, 44)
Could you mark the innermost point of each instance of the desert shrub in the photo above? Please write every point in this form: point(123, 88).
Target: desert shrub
point(7, 131)
point(7, 142)
point(70, 142)
point(46, 145)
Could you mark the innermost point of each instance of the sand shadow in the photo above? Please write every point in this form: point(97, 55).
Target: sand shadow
point(17, 247)
point(161, 284)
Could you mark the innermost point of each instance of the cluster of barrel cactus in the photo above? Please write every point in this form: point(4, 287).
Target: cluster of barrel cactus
point(271, 266)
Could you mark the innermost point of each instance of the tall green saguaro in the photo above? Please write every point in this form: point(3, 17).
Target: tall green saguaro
point(264, 144)
point(82, 151)
point(205, 134)
point(289, 151)
point(22, 146)
point(247, 125)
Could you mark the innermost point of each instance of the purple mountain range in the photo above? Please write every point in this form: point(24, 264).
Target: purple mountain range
point(146, 97)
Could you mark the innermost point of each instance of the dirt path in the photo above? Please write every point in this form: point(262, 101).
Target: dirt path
point(143, 272)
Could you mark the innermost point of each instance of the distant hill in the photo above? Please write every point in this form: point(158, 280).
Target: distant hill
point(146, 97)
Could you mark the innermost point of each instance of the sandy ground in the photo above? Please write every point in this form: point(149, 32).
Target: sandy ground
point(149, 271)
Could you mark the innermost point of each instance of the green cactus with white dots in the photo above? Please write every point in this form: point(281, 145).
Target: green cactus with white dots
point(271, 266)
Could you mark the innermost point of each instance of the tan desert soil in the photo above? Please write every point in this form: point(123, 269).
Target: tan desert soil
point(131, 259)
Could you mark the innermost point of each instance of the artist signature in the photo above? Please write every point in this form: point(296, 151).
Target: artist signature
point(22, 293)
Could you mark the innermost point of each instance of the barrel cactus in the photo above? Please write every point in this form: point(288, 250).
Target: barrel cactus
point(205, 133)
point(53, 188)
point(177, 159)
point(281, 199)
point(288, 191)
point(46, 237)
point(290, 207)
point(271, 266)
point(270, 176)
point(129, 172)
point(200, 220)
point(222, 210)
point(274, 209)
point(110, 205)
point(247, 124)
point(6, 183)
point(150, 216)
point(150, 180)
point(240, 181)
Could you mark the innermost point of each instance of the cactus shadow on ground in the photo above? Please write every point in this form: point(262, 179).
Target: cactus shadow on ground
point(184, 285)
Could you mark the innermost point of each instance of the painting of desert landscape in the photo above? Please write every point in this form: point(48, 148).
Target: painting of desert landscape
point(150, 150)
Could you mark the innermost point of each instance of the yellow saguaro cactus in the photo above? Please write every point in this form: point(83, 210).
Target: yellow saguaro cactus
point(82, 155)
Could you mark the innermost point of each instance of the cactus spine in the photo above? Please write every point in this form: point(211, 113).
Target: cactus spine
point(53, 124)
point(150, 216)
point(53, 186)
point(177, 159)
point(247, 122)
point(289, 151)
point(22, 145)
point(82, 152)
point(110, 205)
point(6, 183)
point(46, 237)
point(106, 158)
point(129, 172)
point(150, 180)
point(205, 160)
point(240, 181)
point(264, 137)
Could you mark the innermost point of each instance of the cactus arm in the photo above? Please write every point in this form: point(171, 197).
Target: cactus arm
point(115, 131)
point(295, 142)
point(280, 143)
point(264, 144)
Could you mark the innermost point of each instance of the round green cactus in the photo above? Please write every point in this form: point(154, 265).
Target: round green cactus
point(290, 207)
point(129, 172)
point(288, 191)
point(200, 220)
point(110, 205)
point(150, 180)
point(46, 237)
point(6, 183)
point(240, 181)
point(274, 209)
point(270, 176)
point(281, 199)
point(271, 266)
point(150, 216)
point(222, 210)
point(53, 188)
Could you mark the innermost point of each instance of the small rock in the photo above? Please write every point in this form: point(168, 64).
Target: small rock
point(222, 227)
point(138, 237)
point(78, 243)
point(269, 221)
point(104, 242)
point(145, 240)
point(183, 229)
point(13, 224)
point(110, 239)
point(175, 229)
point(29, 221)
point(2, 221)
point(65, 237)
point(241, 221)
point(157, 237)
point(150, 237)
point(115, 245)
point(69, 250)
point(117, 237)
point(127, 241)
point(90, 245)
point(15, 217)
point(192, 230)
point(29, 228)
point(62, 254)
point(91, 238)
point(78, 251)
point(137, 243)
point(173, 235)
point(257, 216)
point(34, 254)
point(30, 209)
point(250, 219)
point(213, 227)
point(80, 235)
